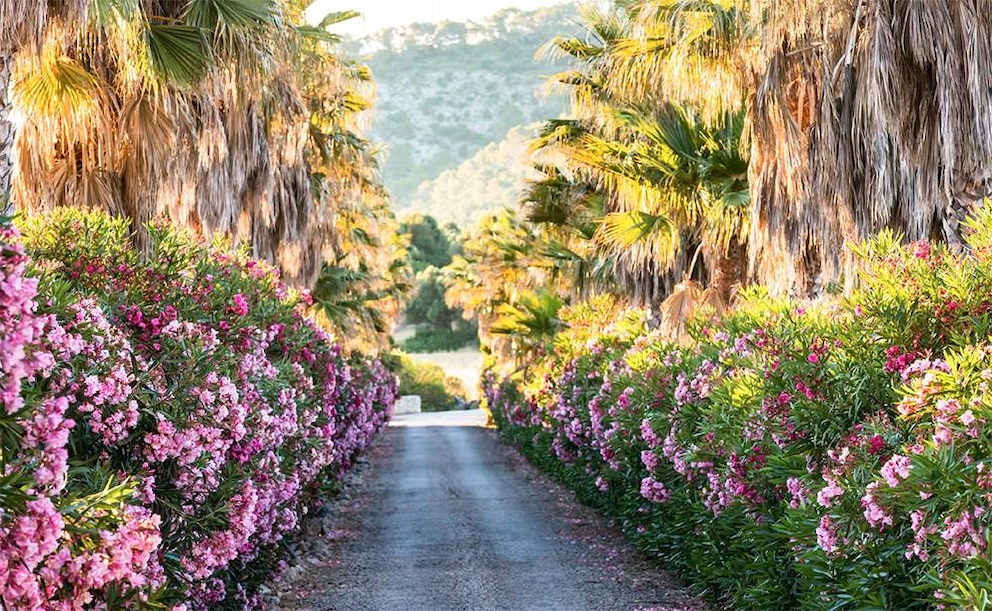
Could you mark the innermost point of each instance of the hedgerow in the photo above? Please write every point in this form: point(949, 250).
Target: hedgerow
point(821, 455)
point(166, 419)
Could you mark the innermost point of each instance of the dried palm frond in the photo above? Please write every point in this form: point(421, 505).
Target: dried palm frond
point(224, 116)
point(688, 300)
point(868, 115)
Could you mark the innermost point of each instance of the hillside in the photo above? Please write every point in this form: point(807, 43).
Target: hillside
point(492, 178)
point(447, 90)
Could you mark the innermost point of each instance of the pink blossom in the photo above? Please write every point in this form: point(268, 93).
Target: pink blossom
point(896, 468)
point(874, 513)
point(826, 536)
point(647, 433)
point(649, 459)
point(240, 305)
point(654, 491)
point(798, 491)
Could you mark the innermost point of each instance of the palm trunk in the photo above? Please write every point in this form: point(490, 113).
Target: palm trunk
point(726, 268)
point(7, 134)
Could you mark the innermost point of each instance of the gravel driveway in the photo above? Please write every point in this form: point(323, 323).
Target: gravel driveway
point(448, 518)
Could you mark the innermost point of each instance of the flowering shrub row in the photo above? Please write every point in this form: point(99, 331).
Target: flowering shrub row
point(823, 456)
point(164, 421)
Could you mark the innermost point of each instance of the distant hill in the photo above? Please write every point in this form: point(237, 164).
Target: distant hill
point(491, 179)
point(446, 91)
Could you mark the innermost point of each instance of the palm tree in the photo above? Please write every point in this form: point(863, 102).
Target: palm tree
point(229, 117)
point(889, 108)
point(673, 178)
point(24, 27)
point(627, 208)
point(529, 324)
point(700, 170)
point(361, 303)
point(570, 211)
point(835, 153)
point(503, 259)
point(120, 116)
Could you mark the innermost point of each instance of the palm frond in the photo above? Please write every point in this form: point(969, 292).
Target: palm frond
point(628, 229)
point(59, 86)
point(337, 17)
point(179, 54)
point(225, 16)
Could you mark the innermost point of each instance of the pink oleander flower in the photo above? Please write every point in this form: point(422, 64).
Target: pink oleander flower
point(797, 489)
point(654, 491)
point(962, 537)
point(874, 513)
point(896, 468)
point(240, 307)
point(647, 433)
point(826, 535)
point(623, 401)
point(649, 459)
point(921, 530)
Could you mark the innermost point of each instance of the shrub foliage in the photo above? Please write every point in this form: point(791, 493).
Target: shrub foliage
point(165, 421)
point(826, 455)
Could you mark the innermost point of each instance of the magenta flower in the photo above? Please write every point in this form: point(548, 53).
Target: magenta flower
point(876, 444)
point(240, 307)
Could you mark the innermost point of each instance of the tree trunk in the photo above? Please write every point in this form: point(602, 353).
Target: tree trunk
point(726, 269)
point(7, 134)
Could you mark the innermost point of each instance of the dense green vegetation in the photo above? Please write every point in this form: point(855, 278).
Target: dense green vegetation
point(438, 391)
point(439, 326)
point(793, 454)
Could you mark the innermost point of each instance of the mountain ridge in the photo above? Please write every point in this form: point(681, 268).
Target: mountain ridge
point(446, 91)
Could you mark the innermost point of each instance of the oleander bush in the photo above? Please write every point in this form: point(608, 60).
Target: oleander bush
point(824, 455)
point(165, 420)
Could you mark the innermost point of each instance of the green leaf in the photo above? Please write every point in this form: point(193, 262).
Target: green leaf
point(107, 11)
point(628, 229)
point(336, 18)
point(221, 15)
point(308, 31)
point(179, 54)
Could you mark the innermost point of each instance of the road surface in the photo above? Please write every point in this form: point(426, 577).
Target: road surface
point(448, 521)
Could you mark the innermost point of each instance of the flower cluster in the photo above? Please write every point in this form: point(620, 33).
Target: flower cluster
point(173, 417)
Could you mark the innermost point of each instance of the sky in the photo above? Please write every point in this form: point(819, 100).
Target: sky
point(378, 14)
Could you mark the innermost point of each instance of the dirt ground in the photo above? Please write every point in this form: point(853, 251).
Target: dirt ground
point(446, 517)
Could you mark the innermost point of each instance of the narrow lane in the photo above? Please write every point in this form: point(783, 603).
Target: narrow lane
point(448, 524)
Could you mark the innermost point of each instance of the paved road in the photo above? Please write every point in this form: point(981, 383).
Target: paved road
point(448, 524)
